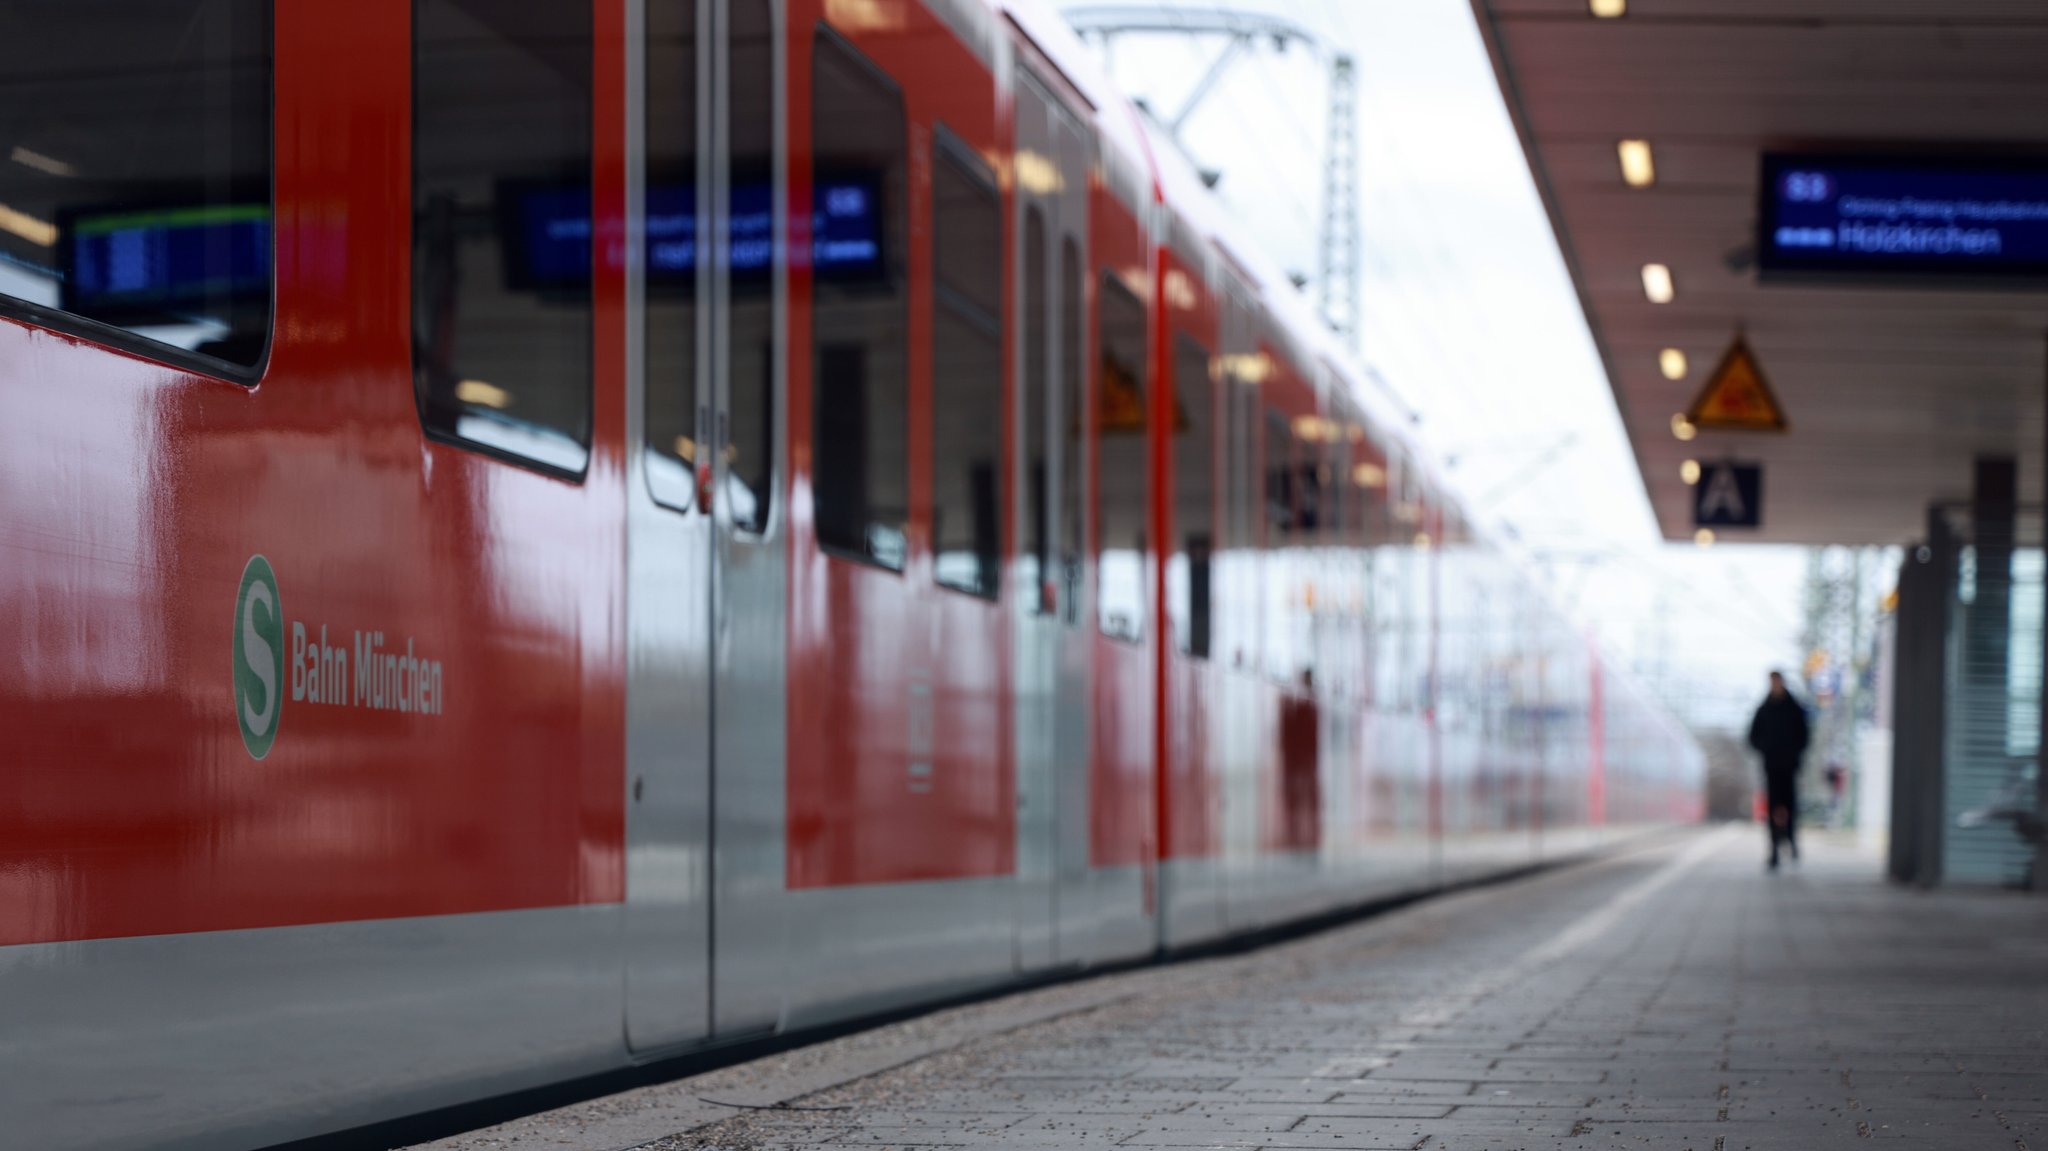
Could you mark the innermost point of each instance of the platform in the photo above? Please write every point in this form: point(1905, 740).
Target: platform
point(1675, 996)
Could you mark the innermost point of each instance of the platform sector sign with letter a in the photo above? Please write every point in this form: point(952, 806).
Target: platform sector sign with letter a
point(1729, 495)
point(1737, 398)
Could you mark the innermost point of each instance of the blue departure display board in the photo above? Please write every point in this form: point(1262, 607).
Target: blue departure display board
point(144, 264)
point(1871, 217)
point(549, 237)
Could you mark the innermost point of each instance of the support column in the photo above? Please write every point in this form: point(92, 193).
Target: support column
point(1920, 705)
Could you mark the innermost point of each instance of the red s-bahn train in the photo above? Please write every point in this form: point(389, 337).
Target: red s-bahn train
point(537, 535)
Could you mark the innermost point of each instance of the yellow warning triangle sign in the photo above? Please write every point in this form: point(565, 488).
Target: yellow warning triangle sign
point(1736, 397)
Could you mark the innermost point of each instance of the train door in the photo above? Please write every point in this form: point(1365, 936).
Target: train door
point(1053, 634)
point(750, 556)
point(705, 569)
point(669, 529)
point(1238, 635)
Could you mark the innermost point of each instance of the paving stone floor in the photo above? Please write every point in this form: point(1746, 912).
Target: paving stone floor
point(1673, 997)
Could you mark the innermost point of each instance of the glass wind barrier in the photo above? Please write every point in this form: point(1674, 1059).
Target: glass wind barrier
point(1993, 702)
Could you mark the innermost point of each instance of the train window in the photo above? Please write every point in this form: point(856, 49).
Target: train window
point(1282, 574)
point(860, 393)
point(1371, 474)
point(1073, 428)
point(1242, 569)
point(1243, 407)
point(1308, 481)
point(1188, 571)
point(1358, 502)
point(1122, 484)
point(967, 371)
point(750, 390)
point(671, 207)
point(1279, 468)
point(501, 233)
point(1333, 493)
point(1037, 558)
point(137, 205)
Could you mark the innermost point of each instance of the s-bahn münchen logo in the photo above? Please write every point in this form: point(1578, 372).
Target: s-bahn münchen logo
point(259, 657)
point(373, 673)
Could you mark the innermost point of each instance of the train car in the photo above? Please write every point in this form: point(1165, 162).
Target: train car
point(543, 535)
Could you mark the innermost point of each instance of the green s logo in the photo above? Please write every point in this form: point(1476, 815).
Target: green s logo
point(259, 657)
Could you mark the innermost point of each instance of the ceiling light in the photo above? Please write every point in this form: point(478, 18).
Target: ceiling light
point(1689, 471)
point(1250, 369)
point(1657, 284)
point(1318, 430)
point(49, 165)
point(41, 233)
point(1638, 170)
point(1704, 537)
point(1608, 9)
point(866, 15)
point(1672, 362)
point(483, 395)
point(1038, 174)
point(1682, 427)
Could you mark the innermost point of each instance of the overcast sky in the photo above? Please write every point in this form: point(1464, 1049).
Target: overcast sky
point(1470, 317)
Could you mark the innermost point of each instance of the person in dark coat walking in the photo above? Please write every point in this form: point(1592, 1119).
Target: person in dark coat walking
point(1779, 734)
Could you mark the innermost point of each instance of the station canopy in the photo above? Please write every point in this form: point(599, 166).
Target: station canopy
point(1906, 345)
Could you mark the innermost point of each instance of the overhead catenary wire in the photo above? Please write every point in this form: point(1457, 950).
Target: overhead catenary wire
point(1337, 263)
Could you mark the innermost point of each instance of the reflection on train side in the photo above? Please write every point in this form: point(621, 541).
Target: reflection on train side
point(192, 273)
point(161, 235)
point(546, 232)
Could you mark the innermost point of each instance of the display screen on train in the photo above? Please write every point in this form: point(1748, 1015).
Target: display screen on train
point(131, 265)
point(1872, 217)
point(549, 240)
